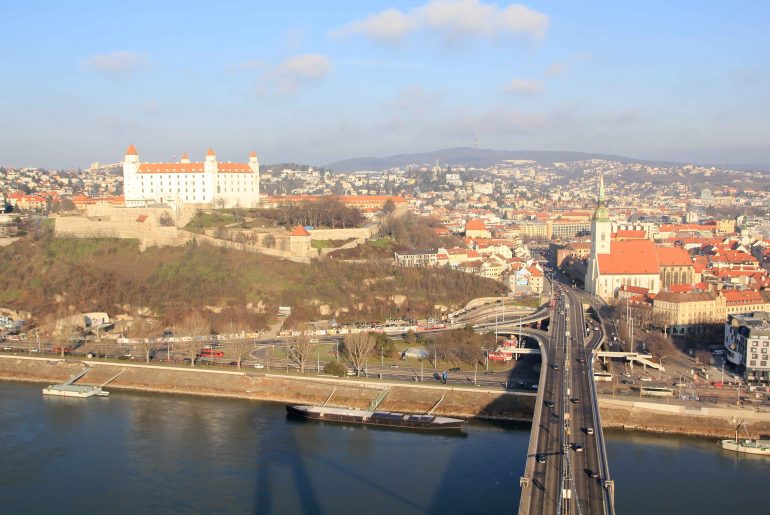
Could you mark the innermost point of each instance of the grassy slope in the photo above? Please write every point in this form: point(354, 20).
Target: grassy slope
point(104, 274)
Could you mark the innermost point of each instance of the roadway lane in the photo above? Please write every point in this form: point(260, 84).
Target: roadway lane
point(544, 490)
point(587, 491)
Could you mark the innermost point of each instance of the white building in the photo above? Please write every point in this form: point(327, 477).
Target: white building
point(208, 182)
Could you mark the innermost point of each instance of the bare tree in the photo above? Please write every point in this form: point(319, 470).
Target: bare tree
point(358, 348)
point(165, 219)
point(299, 350)
point(142, 329)
point(268, 241)
point(239, 346)
point(193, 327)
point(659, 344)
point(66, 326)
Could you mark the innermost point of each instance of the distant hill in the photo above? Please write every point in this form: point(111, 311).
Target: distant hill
point(472, 157)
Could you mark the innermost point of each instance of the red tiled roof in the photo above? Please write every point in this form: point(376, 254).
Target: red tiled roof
point(131, 150)
point(742, 297)
point(673, 256)
point(630, 234)
point(210, 152)
point(192, 168)
point(299, 231)
point(475, 225)
point(634, 289)
point(629, 257)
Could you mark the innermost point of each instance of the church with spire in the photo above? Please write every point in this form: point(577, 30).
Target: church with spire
point(614, 263)
point(207, 182)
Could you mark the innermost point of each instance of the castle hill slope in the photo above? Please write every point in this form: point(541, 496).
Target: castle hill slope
point(42, 275)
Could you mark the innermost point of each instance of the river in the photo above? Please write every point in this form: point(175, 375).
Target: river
point(148, 453)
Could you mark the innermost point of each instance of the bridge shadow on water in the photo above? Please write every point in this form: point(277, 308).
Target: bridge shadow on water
point(362, 478)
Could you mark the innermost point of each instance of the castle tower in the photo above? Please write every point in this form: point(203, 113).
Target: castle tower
point(185, 158)
point(601, 229)
point(254, 165)
point(131, 187)
point(210, 163)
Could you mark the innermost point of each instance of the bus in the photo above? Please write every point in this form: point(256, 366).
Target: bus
point(603, 376)
point(210, 353)
point(656, 391)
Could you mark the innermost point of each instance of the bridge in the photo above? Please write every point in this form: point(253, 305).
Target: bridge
point(566, 470)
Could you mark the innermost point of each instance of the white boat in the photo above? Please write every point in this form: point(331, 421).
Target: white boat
point(748, 445)
point(761, 447)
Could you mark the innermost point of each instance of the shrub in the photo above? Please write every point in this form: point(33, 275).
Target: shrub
point(335, 369)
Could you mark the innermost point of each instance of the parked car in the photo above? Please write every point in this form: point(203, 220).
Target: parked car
point(259, 365)
point(577, 447)
point(540, 458)
point(589, 430)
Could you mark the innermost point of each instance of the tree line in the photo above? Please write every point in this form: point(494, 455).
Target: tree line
point(325, 212)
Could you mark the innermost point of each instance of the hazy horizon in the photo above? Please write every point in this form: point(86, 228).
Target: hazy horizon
point(318, 83)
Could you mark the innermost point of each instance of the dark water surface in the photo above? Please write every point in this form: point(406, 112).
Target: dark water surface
point(147, 453)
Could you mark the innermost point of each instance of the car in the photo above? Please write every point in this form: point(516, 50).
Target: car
point(350, 372)
point(589, 430)
point(581, 359)
point(645, 379)
point(555, 366)
point(455, 369)
point(592, 473)
point(534, 386)
point(394, 366)
point(550, 404)
point(259, 365)
point(540, 458)
point(490, 372)
point(577, 447)
point(574, 400)
point(313, 340)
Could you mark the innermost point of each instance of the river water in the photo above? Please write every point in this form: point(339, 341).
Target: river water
point(148, 453)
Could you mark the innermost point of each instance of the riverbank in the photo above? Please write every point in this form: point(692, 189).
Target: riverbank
point(457, 402)
point(679, 418)
point(648, 416)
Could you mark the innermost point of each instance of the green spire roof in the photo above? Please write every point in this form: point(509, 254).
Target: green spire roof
point(601, 214)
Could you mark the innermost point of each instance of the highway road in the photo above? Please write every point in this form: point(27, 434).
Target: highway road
point(565, 479)
point(588, 492)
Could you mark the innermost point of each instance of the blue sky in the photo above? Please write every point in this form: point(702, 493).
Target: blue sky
point(315, 82)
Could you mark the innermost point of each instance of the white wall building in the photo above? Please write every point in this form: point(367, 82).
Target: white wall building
point(185, 182)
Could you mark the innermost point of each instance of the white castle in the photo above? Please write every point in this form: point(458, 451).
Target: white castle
point(176, 184)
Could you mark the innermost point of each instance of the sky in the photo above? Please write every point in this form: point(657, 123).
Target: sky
point(319, 81)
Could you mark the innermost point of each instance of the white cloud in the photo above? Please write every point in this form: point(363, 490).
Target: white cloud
point(451, 19)
point(557, 68)
point(290, 75)
point(524, 87)
point(118, 63)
